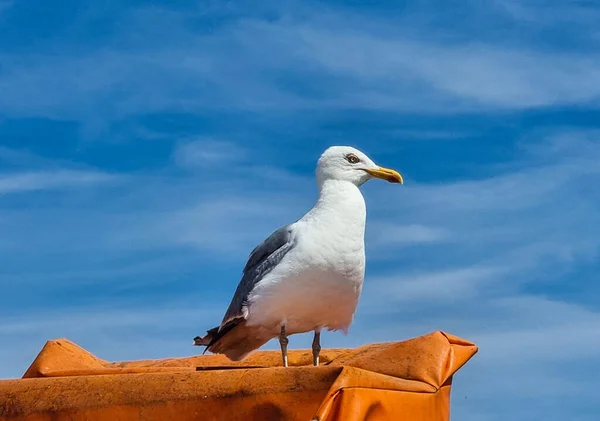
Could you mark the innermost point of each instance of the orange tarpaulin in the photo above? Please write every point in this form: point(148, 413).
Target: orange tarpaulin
point(407, 380)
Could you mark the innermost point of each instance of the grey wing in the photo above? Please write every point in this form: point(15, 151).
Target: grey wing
point(261, 261)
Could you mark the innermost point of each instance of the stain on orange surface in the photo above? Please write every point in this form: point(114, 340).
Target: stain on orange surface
point(409, 380)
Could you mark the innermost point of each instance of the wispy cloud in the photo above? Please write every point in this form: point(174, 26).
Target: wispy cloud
point(418, 288)
point(19, 158)
point(467, 75)
point(21, 182)
point(389, 234)
point(218, 225)
point(549, 12)
point(208, 153)
point(542, 204)
point(348, 63)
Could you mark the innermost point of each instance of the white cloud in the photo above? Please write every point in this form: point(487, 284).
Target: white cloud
point(393, 69)
point(206, 153)
point(218, 225)
point(549, 12)
point(51, 180)
point(387, 234)
point(540, 212)
point(20, 158)
point(345, 60)
point(417, 288)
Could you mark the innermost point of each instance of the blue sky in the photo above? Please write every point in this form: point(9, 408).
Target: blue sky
point(146, 148)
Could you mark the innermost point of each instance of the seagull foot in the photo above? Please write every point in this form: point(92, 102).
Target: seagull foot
point(316, 348)
point(283, 342)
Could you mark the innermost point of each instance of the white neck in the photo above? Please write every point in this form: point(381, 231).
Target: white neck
point(341, 201)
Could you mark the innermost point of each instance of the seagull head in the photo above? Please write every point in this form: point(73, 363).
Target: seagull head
point(349, 164)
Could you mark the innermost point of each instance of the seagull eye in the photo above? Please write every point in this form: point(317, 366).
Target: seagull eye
point(353, 159)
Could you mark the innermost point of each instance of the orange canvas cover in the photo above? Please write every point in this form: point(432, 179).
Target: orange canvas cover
point(407, 380)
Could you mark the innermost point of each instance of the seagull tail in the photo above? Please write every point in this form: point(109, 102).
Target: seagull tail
point(235, 339)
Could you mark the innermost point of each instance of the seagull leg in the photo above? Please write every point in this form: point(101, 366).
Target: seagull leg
point(316, 347)
point(283, 341)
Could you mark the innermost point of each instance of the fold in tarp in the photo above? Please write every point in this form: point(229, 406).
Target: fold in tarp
point(407, 380)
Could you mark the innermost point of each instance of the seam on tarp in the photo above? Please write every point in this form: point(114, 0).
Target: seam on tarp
point(384, 388)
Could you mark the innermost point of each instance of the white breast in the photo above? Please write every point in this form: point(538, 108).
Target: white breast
point(319, 281)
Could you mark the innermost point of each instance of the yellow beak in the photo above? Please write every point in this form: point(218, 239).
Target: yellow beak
point(387, 174)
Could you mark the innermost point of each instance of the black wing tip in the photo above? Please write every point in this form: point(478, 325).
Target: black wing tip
point(206, 340)
point(215, 334)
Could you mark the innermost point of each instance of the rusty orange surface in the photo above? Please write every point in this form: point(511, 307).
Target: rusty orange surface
point(407, 380)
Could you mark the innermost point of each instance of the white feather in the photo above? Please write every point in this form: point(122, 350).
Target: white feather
point(318, 283)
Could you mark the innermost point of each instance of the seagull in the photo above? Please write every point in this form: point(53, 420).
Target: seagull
point(308, 275)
